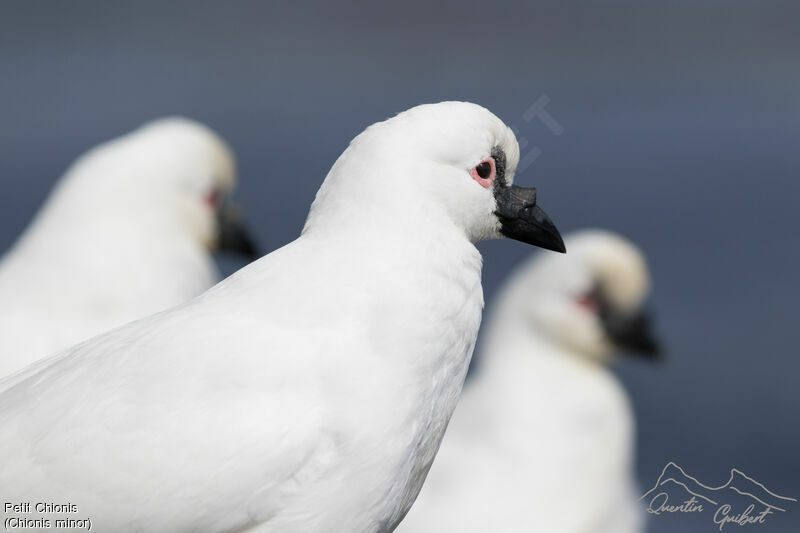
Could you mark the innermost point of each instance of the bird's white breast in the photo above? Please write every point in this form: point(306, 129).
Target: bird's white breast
point(302, 394)
point(541, 440)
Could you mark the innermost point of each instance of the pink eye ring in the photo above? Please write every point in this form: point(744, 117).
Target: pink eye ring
point(587, 303)
point(213, 199)
point(484, 172)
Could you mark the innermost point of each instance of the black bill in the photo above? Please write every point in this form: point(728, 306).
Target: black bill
point(631, 332)
point(233, 237)
point(522, 220)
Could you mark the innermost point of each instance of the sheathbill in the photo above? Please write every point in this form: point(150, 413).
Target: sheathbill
point(309, 391)
point(126, 232)
point(542, 439)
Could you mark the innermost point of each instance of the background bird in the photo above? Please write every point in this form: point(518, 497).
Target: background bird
point(543, 437)
point(126, 232)
point(309, 391)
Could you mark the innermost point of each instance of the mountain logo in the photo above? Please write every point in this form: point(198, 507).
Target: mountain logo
point(742, 500)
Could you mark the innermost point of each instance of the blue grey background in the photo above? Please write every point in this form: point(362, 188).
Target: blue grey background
point(681, 128)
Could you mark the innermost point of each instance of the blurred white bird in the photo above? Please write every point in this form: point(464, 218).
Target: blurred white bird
point(126, 232)
point(542, 439)
point(309, 391)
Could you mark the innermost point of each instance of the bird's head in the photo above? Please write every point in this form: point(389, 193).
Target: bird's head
point(452, 161)
point(590, 300)
point(194, 171)
point(172, 175)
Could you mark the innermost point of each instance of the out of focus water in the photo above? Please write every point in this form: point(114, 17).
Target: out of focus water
point(681, 129)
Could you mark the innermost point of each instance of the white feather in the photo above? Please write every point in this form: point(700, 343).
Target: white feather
point(306, 393)
point(124, 234)
point(542, 439)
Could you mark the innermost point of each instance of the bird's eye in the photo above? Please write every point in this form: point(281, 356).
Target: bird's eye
point(485, 172)
point(588, 302)
point(213, 198)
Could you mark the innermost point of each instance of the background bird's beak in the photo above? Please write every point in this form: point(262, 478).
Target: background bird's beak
point(233, 237)
point(631, 333)
point(522, 220)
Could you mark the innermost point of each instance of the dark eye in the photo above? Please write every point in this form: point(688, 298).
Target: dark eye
point(588, 302)
point(484, 172)
point(213, 198)
point(484, 169)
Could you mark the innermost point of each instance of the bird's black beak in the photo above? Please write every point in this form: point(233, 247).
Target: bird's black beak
point(522, 220)
point(631, 332)
point(233, 237)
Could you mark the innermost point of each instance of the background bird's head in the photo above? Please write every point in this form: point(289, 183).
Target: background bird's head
point(451, 161)
point(172, 176)
point(590, 300)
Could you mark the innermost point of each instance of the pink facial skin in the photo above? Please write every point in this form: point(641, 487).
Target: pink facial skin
point(213, 199)
point(587, 304)
point(479, 173)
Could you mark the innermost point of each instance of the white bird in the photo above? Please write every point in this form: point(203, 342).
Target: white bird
point(126, 232)
point(309, 391)
point(542, 439)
